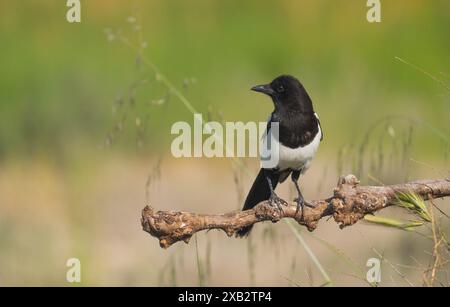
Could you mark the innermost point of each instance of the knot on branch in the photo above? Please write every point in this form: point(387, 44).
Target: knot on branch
point(168, 226)
point(264, 211)
point(351, 202)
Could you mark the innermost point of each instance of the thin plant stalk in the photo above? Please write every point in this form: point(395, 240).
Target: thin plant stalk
point(310, 253)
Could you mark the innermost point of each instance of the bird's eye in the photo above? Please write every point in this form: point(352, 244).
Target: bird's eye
point(280, 89)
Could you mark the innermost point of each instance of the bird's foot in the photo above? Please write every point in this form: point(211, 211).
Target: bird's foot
point(274, 200)
point(309, 205)
point(301, 203)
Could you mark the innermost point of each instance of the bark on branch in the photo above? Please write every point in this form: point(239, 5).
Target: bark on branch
point(350, 203)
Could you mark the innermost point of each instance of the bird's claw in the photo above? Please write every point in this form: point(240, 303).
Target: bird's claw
point(309, 205)
point(279, 202)
point(304, 203)
point(301, 203)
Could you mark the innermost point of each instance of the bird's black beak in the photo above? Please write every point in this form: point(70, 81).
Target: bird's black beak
point(264, 88)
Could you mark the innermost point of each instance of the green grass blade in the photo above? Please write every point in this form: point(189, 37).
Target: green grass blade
point(404, 225)
point(309, 252)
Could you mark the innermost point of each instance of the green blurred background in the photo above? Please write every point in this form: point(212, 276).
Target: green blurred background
point(79, 158)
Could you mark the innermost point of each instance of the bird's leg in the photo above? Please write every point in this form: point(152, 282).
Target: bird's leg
point(301, 203)
point(274, 199)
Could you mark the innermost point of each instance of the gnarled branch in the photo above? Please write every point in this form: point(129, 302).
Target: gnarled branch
point(350, 203)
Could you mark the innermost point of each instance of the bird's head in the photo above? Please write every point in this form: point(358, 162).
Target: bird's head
point(287, 93)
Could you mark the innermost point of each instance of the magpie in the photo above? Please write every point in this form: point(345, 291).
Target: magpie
point(298, 139)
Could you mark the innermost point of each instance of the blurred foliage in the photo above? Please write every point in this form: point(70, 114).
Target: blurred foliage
point(58, 81)
point(64, 88)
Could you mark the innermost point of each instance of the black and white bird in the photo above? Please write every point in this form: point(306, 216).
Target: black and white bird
point(299, 136)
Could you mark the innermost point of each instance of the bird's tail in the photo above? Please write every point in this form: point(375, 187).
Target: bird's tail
point(259, 192)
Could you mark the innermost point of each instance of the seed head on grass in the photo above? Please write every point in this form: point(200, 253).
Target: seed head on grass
point(415, 204)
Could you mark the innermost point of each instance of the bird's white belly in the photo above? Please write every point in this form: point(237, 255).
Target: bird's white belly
point(294, 158)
